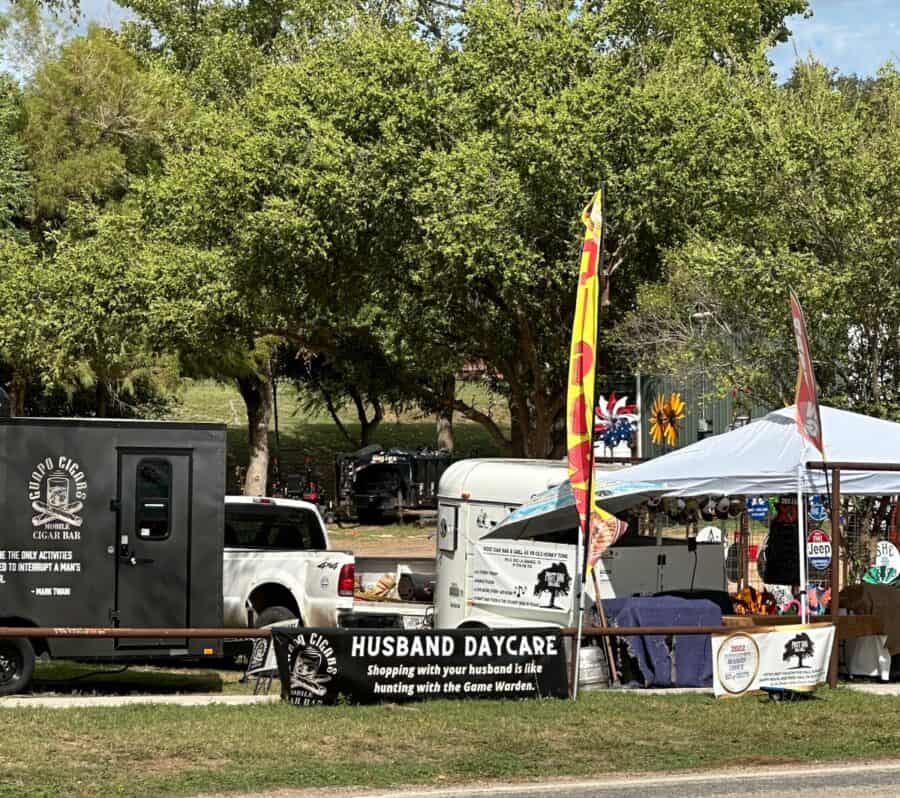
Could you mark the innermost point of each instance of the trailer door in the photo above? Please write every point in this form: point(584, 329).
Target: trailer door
point(153, 543)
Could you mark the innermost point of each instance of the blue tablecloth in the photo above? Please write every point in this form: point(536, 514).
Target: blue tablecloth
point(689, 661)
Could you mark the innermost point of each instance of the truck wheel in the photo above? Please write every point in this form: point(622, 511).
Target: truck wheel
point(370, 517)
point(16, 664)
point(274, 615)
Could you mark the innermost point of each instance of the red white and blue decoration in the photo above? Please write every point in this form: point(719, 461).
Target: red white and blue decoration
point(818, 549)
point(615, 421)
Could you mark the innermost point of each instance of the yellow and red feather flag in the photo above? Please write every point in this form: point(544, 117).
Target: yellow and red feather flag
point(604, 529)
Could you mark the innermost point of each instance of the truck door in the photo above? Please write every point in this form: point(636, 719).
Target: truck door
point(153, 542)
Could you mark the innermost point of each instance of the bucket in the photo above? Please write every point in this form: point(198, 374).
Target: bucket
point(593, 669)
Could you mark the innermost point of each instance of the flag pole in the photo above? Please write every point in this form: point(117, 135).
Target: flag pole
point(801, 542)
point(584, 545)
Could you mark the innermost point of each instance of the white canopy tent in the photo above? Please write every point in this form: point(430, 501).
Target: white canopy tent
point(762, 458)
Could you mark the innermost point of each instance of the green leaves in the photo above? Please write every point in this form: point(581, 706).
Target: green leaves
point(95, 119)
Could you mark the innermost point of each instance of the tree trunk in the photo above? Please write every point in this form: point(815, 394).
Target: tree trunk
point(256, 390)
point(101, 393)
point(18, 391)
point(367, 426)
point(445, 415)
point(333, 412)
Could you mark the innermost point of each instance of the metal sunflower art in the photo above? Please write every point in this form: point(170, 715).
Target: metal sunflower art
point(665, 416)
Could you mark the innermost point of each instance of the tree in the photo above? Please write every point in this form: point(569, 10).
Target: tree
point(22, 345)
point(822, 219)
point(15, 179)
point(96, 118)
point(800, 646)
point(300, 191)
point(534, 115)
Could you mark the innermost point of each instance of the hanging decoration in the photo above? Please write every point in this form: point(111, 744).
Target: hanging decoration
point(665, 416)
point(749, 601)
point(615, 421)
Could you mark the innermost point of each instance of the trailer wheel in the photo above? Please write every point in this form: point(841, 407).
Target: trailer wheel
point(274, 615)
point(16, 664)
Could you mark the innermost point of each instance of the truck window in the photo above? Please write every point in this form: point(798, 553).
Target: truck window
point(154, 498)
point(269, 526)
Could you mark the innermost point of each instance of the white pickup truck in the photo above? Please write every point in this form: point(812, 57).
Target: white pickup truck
point(278, 566)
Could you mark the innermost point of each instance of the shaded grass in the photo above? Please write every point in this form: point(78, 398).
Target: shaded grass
point(74, 678)
point(145, 750)
point(323, 442)
point(315, 435)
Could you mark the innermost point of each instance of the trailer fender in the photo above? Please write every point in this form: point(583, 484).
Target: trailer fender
point(40, 644)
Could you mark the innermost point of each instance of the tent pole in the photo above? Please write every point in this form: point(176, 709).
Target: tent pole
point(836, 535)
point(579, 594)
point(801, 545)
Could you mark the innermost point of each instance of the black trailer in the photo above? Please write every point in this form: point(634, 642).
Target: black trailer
point(377, 483)
point(109, 523)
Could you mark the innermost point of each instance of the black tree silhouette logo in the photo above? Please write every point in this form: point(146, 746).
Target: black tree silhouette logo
point(799, 646)
point(553, 580)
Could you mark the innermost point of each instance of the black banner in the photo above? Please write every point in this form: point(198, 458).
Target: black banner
point(365, 666)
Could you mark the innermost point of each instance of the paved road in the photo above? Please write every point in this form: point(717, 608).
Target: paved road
point(868, 780)
point(879, 779)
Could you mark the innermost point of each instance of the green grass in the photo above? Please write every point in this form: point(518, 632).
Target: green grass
point(157, 751)
point(315, 435)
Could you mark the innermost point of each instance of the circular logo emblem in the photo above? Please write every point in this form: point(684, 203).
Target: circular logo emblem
point(818, 549)
point(817, 509)
point(57, 490)
point(887, 556)
point(737, 663)
point(758, 508)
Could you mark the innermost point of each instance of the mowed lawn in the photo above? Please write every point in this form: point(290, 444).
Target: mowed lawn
point(152, 751)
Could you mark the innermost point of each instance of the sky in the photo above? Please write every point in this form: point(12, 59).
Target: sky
point(855, 36)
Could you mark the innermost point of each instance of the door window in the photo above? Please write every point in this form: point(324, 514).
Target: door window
point(154, 499)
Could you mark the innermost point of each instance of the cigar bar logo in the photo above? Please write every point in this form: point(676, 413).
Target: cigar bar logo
point(313, 665)
point(57, 490)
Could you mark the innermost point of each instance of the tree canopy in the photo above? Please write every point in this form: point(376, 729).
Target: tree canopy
point(387, 195)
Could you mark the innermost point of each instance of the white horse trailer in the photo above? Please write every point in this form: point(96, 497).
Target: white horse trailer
point(474, 496)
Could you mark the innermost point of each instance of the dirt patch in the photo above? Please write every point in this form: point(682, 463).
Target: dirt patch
point(390, 540)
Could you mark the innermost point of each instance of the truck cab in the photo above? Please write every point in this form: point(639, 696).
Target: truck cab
point(278, 565)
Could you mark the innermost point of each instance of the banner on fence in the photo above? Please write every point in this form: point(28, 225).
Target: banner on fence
point(523, 575)
point(322, 666)
point(786, 658)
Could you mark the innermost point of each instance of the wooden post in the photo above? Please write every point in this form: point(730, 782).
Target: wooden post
point(607, 643)
point(835, 571)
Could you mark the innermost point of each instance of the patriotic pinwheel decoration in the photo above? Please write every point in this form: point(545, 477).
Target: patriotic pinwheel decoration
point(616, 421)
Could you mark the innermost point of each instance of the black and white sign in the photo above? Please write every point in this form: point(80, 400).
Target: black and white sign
point(321, 666)
point(523, 574)
point(261, 663)
point(57, 490)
